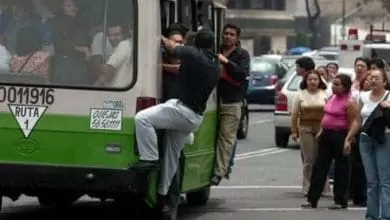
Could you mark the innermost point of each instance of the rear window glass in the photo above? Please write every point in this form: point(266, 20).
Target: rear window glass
point(381, 53)
point(262, 66)
point(77, 43)
point(294, 83)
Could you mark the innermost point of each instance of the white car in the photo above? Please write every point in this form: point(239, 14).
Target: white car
point(283, 107)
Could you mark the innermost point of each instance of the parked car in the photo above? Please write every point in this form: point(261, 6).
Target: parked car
point(283, 104)
point(319, 62)
point(265, 72)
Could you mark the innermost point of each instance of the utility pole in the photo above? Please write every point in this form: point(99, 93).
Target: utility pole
point(343, 20)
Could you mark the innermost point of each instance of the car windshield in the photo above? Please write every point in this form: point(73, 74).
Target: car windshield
point(262, 66)
point(381, 53)
point(294, 83)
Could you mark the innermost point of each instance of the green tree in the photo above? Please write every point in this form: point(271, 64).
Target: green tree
point(313, 15)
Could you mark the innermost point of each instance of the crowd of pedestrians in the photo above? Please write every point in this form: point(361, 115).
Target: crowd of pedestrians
point(350, 125)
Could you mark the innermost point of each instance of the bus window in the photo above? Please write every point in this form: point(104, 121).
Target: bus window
point(219, 15)
point(76, 32)
point(168, 10)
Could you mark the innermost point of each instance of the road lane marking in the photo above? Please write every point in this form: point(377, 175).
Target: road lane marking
point(257, 151)
point(257, 187)
point(261, 154)
point(262, 121)
point(270, 209)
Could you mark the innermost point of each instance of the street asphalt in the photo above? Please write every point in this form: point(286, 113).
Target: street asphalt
point(265, 184)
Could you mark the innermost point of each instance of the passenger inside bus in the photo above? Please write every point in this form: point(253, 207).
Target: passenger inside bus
point(83, 50)
point(15, 17)
point(29, 57)
point(115, 71)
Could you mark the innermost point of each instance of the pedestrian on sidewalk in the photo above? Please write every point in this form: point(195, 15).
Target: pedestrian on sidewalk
point(307, 112)
point(340, 112)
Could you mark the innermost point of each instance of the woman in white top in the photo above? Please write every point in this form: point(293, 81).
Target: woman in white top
point(375, 152)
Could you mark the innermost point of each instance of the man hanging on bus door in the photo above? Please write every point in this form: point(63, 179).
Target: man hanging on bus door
point(198, 77)
point(235, 68)
point(175, 32)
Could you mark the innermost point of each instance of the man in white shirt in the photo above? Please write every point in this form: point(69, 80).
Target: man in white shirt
point(116, 72)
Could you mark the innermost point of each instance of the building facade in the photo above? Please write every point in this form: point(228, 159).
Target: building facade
point(278, 25)
point(267, 25)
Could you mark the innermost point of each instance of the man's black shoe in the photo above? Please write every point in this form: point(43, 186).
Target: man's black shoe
point(360, 203)
point(216, 180)
point(144, 165)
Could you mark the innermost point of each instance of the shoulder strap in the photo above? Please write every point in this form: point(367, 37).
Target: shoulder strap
point(25, 62)
point(378, 105)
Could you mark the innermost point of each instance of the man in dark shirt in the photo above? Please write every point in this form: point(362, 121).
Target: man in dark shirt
point(235, 68)
point(304, 65)
point(197, 78)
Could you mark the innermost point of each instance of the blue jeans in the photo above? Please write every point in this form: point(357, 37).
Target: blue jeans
point(376, 161)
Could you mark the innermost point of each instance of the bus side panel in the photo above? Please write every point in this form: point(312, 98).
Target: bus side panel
point(67, 141)
point(200, 156)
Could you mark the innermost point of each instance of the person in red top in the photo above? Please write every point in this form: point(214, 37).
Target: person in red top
point(235, 68)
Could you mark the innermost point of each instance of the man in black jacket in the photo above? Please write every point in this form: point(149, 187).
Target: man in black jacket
point(235, 68)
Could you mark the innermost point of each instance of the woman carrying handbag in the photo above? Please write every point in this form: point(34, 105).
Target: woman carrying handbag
point(373, 123)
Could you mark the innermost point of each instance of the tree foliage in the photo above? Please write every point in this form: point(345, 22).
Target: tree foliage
point(386, 3)
point(313, 10)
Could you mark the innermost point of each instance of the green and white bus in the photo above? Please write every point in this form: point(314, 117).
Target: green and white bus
point(62, 139)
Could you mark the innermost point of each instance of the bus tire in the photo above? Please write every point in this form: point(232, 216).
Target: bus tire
point(198, 198)
point(55, 199)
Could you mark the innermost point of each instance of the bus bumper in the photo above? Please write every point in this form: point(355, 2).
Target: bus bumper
point(21, 177)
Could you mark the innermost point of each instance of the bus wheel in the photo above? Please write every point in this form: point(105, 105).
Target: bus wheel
point(57, 200)
point(198, 198)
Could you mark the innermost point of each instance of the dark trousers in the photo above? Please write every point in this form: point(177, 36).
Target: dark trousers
point(358, 176)
point(331, 145)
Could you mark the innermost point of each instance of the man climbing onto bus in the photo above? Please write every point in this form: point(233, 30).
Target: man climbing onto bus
point(198, 76)
point(235, 68)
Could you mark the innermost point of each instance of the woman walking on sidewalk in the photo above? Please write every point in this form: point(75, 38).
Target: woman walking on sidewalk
point(308, 110)
point(339, 114)
point(373, 123)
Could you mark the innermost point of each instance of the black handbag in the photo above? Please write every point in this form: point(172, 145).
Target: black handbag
point(377, 122)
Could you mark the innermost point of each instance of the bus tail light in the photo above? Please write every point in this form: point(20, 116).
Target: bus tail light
point(145, 102)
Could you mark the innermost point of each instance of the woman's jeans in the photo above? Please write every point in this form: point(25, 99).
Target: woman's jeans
point(376, 161)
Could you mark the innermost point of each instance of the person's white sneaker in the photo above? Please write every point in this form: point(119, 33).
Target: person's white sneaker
point(190, 139)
